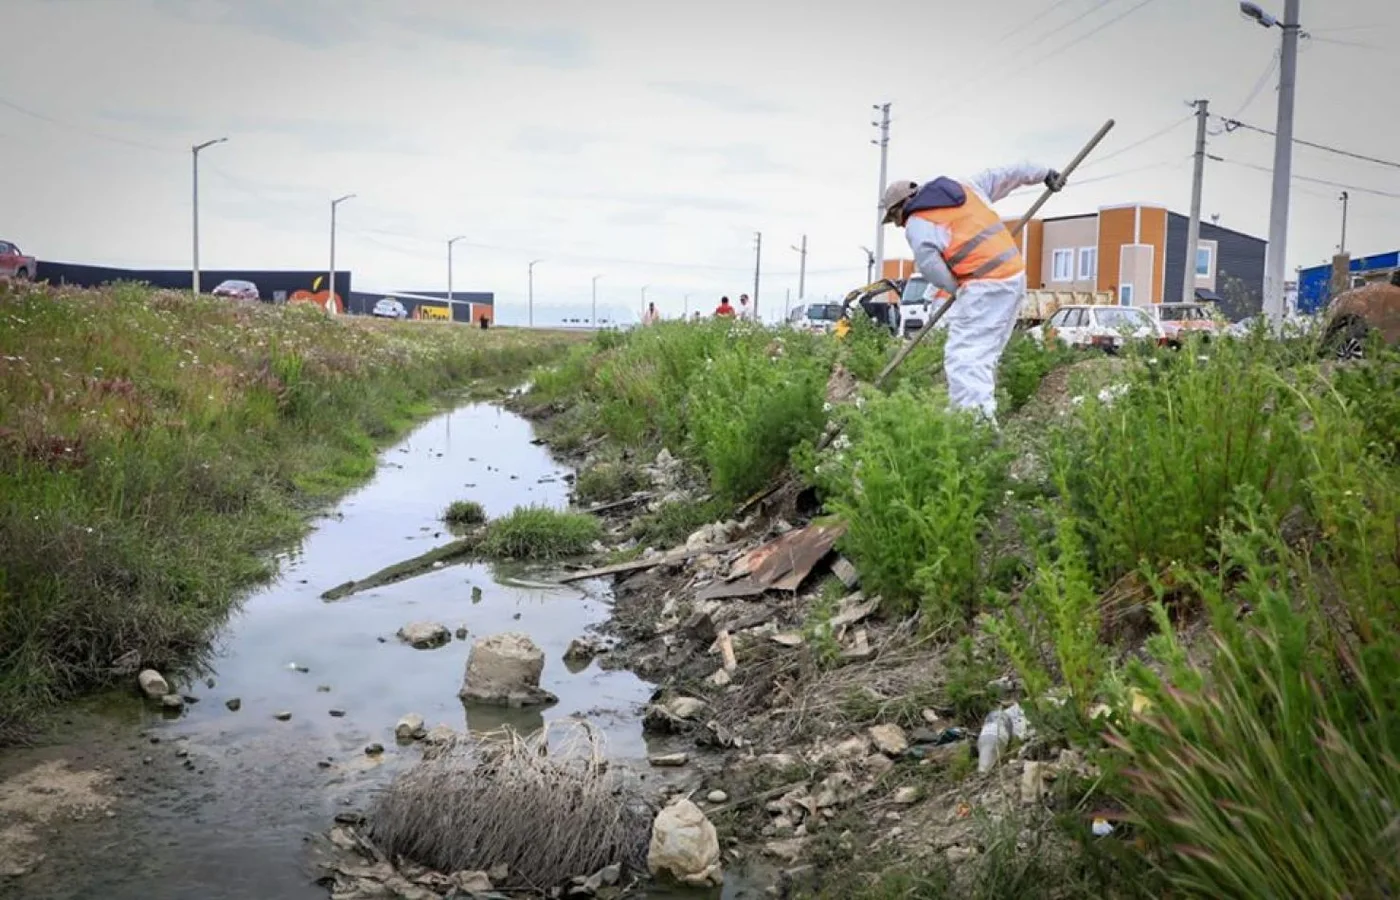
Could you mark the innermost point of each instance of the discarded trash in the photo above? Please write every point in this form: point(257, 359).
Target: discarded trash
point(1102, 828)
point(1000, 726)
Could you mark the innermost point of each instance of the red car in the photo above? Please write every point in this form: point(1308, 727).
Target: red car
point(14, 264)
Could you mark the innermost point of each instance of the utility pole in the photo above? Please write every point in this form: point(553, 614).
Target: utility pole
point(787, 303)
point(802, 271)
point(644, 301)
point(330, 284)
point(1193, 230)
point(530, 296)
point(595, 300)
point(194, 151)
point(757, 267)
point(869, 265)
point(884, 144)
point(686, 314)
point(1345, 199)
point(449, 272)
point(1275, 270)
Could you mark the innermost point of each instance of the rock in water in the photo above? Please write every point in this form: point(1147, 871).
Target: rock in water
point(234, 704)
point(410, 728)
point(173, 702)
point(425, 635)
point(504, 669)
point(153, 685)
point(684, 846)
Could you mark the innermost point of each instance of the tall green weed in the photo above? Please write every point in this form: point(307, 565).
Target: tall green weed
point(914, 483)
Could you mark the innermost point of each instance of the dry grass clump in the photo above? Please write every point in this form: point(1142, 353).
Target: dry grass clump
point(545, 806)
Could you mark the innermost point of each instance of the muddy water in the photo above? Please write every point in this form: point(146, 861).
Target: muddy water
point(234, 824)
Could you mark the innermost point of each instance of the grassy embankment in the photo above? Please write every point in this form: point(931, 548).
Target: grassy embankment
point(154, 447)
point(1209, 549)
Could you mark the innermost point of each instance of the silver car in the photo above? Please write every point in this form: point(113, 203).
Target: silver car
point(389, 308)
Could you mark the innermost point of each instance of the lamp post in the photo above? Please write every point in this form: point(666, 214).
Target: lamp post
point(530, 300)
point(330, 284)
point(595, 300)
point(869, 265)
point(194, 152)
point(644, 301)
point(1275, 269)
point(450, 242)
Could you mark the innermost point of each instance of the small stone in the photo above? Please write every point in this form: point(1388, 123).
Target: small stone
point(716, 797)
point(233, 704)
point(152, 684)
point(323, 764)
point(461, 633)
point(610, 875)
point(878, 764)
point(439, 735)
point(721, 678)
point(669, 760)
point(685, 708)
point(846, 572)
point(189, 698)
point(145, 761)
point(337, 713)
point(209, 683)
point(787, 639)
point(889, 739)
point(476, 594)
point(172, 701)
point(182, 753)
point(323, 689)
point(1032, 782)
point(958, 855)
point(581, 650)
point(282, 716)
point(374, 749)
point(471, 883)
point(410, 728)
point(906, 796)
point(498, 873)
point(424, 635)
point(933, 719)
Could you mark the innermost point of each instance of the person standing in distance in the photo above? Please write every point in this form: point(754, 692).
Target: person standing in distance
point(961, 246)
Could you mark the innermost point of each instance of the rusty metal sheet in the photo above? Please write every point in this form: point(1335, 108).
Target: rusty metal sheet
point(781, 564)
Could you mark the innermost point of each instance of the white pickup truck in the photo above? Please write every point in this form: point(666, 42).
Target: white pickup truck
point(920, 300)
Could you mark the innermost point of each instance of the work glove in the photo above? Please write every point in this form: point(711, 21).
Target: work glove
point(1055, 181)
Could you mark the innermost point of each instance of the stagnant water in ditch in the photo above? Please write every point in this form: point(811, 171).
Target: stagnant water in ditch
point(235, 825)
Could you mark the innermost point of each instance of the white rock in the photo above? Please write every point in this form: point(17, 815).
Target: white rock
point(153, 685)
point(685, 707)
point(906, 796)
point(504, 669)
point(425, 635)
point(410, 728)
point(668, 760)
point(172, 701)
point(846, 572)
point(471, 882)
point(1032, 782)
point(716, 797)
point(889, 739)
point(684, 846)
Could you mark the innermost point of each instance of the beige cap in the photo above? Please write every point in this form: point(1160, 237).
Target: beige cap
point(895, 194)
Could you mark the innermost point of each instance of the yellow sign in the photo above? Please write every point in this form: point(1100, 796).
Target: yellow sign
point(426, 311)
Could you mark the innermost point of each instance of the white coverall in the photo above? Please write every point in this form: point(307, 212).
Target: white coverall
point(980, 323)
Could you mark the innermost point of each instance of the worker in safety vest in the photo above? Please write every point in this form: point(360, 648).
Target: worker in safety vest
point(960, 245)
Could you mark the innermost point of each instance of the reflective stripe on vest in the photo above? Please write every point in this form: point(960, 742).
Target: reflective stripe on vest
point(980, 247)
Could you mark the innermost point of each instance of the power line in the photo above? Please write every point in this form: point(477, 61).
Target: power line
point(1269, 71)
point(1054, 5)
point(1133, 146)
point(1337, 184)
point(1088, 34)
point(1362, 45)
point(90, 133)
point(1232, 124)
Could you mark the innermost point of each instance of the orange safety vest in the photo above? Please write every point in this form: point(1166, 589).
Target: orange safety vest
point(981, 247)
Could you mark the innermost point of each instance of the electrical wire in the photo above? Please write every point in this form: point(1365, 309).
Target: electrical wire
point(1337, 184)
point(1054, 5)
point(1233, 124)
point(1135, 144)
point(1264, 79)
point(101, 136)
point(1086, 35)
point(1362, 45)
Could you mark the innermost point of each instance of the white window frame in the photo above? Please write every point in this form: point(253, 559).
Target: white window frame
point(1210, 261)
point(1055, 257)
point(1125, 295)
point(1092, 254)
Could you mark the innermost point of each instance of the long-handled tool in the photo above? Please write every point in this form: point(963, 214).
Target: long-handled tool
point(833, 428)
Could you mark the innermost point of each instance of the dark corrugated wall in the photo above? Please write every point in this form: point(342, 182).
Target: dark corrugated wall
point(1239, 256)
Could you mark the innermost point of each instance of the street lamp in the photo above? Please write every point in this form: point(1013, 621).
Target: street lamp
point(869, 265)
point(531, 296)
point(194, 151)
point(802, 272)
point(644, 301)
point(450, 242)
point(595, 300)
point(1275, 269)
point(330, 284)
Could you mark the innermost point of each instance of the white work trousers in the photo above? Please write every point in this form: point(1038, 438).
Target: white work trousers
point(980, 324)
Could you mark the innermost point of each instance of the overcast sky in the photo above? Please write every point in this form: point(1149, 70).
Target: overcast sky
point(648, 141)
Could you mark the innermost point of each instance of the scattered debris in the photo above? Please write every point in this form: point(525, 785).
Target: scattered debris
point(1000, 726)
point(668, 760)
point(906, 796)
point(846, 572)
point(786, 639)
point(637, 565)
point(889, 739)
point(152, 684)
point(781, 564)
point(173, 702)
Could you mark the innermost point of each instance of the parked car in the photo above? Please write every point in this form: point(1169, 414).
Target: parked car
point(14, 264)
point(1179, 320)
point(389, 308)
point(1354, 316)
point(234, 289)
point(1106, 328)
point(818, 317)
